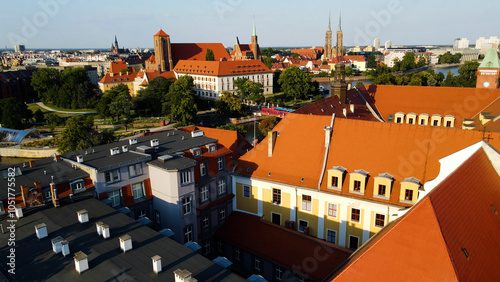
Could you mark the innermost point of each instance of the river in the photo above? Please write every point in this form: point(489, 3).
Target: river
point(444, 71)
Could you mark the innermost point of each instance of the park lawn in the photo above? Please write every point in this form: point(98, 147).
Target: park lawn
point(34, 107)
point(54, 107)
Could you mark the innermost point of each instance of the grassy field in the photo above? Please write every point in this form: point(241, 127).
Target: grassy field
point(68, 110)
point(34, 107)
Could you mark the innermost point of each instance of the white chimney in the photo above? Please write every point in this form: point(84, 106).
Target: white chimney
point(19, 211)
point(351, 106)
point(83, 216)
point(125, 243)
point(183, 276)
point(328, 135)
point(98, 226)
point(156, 264)
point(344, 111)
point(124, 148)
point(79, 159)
point(155, 142)
point(65, 248)
point(105, 231)
point(56, 244)
point(197, 133)
point(81, 262)
point(271, 141)
point(41, 231)
point(132, 141)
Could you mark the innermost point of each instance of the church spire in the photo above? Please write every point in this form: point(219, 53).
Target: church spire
point(340, 21)
point(329, 22)
point(254, 32)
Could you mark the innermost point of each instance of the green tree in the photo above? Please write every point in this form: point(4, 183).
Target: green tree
point(408, 61)
point(234, 127)
point(209, 56)
point(467, 74)
point(181, 105)
point(421, 62)
point(268, 62)
point(53, 120)
point(14, 113)
point(247, 89)
point(150, 99)
point(448, 58)
point(371, 62)
point(121, 105)
point(114, 98)
point(79, 133)
point(44, 80)
point(39, 116)
point(229, 104)
point(295, 83)
point(267, 124)
point(295, 55)
point(385, 79)
point(268, 52)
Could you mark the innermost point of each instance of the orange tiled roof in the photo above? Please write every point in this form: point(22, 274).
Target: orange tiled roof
point(151, 59)
point(197, 51)
point(400, 150)
point(274, 243)
point(457, 101)
point(161, 33)
point(221, 68)
point(117, 66)
point(430, 241)
point(355, 58)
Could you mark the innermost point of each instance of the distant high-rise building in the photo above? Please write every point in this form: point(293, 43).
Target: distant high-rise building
point(19, 48)
point(483, 43)
point(328, 41)
point(388, 44)
point(461, 43)
point(376, 43)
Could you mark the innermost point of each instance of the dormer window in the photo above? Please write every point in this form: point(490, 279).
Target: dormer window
point(212, 148)
point(449, 121)
point(382, 185)
point(409, 190)
point(411, 118)
point(436, 120)
point(423, 119)
point(335, 177)
point(358, 181)
point(77, 185)
point(399, 117)
point(196, 152)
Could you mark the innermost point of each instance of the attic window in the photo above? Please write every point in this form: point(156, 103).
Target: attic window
point(464, 250)
point(302, 179)
point(494, 209)
point(269, 174)
point(248, 169)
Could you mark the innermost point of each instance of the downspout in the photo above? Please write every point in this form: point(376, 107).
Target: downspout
point(370, 107)
point(328, 136)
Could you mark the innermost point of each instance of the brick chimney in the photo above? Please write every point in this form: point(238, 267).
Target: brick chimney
point(53, 192)
point(32, 163)
point(24, 193)
point(38, 186)
point(271, 141)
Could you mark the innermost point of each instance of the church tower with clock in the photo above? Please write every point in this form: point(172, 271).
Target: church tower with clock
point(488, 73)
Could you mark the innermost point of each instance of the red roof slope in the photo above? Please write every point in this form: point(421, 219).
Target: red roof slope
point(221, 68)
point(457, 101)
point(279, 245)
point(430, 242)
point(400, 150)
point(161, 33)
point(197, 51)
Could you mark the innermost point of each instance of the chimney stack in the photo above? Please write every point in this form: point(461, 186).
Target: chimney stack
point(81, 262)
point(351, 106)
point(126, 243)
point(328, 135)
point(19, 211)
point(53, 192)
point(183, 276)
point(83, 216)
point(79, 159)
point(65, 248)
point(156, 264)
point(32, 163)
point(105, 231)
point(41, 231)
point(98, 226)
point(24, 193)
point(271, 142)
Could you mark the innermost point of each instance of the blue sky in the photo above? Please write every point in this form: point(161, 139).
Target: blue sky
point(93, 23)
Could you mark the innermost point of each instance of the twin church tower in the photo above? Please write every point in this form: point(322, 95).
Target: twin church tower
point(338, 50)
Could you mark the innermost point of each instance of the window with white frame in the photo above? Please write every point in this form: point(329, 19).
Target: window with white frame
point(220, 163)
point(77, 185)
point(278, 271)
point(306, 202)
point(204, 193)
point(257, 264)
point(112, 176)
point(185, 177)
point(188, 234)
point(331, 236)
point(203, 169)
point(246, 191)
point(332, 210)
point(138, 190)
point(114, 196)
point(276, 196)
point(222, 213)
point(134, 170)
point(207, 247)
point(221, 183)
point(205, 222)
point(186, 205)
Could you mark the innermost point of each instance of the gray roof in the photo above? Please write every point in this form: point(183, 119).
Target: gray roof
point(170, 142)
point(42, 171)
point(35, 260)
point(174, 164)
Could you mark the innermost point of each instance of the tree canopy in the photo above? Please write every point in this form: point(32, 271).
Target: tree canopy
point(448, 58)
point(116, 102)
point(181, 105)
point(209, 56)
point(79, 134)
point(247, 89)
point(295, 83)
point(229, 104)
point(14, 114)
point(150, 99)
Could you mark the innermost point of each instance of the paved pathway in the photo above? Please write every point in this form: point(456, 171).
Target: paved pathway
point(40, 104)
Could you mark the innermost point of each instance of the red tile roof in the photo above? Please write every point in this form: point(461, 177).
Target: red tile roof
point(457, 101)
point(197, 51)
point(452, 234)
point(161, 33)
point(400, 150)
point(221, 68)
point(282, 246)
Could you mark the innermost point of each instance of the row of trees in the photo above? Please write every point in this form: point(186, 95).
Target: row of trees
point(69, 89)
point(448, 58)
point(466, 77)
point(14, 113)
